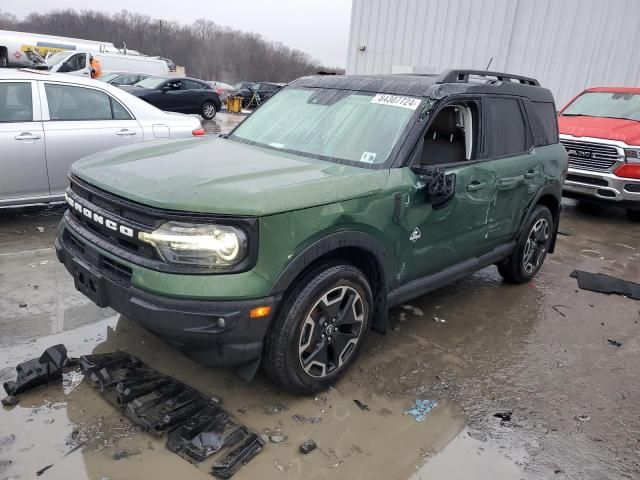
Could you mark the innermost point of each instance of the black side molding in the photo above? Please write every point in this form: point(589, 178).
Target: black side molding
point(456, 272)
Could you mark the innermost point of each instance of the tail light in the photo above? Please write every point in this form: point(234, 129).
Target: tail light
point(198, 132)
point(218, 90)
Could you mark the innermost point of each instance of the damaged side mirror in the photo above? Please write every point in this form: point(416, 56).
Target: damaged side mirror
point(440, 186)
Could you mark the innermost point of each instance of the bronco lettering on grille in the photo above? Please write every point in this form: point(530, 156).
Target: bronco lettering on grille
point(99, 219)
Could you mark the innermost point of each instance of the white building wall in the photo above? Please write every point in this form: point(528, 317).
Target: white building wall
point(567, 45)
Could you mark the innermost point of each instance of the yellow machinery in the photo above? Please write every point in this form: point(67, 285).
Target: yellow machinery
point(234, 104)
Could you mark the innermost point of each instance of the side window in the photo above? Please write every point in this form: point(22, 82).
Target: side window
point(74, 63)
point(547, 113)
point(504, 127)
point(191, 85)
point(451, 136)
point(15, 102)
point(77, 103)
point(119, 112)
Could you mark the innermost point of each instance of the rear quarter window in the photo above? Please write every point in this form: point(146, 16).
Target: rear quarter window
point(546, 115)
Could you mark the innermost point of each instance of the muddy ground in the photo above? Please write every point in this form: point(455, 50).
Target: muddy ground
point(540, 351)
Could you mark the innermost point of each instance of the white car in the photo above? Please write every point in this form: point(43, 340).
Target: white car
point(48, 121)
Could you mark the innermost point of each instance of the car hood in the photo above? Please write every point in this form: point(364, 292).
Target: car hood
point(217, 175)
point(627, 131)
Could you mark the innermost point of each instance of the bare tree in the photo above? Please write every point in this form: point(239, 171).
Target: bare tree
point(206, 49)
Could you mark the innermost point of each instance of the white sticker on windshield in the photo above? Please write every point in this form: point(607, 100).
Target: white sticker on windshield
point(396, 101)
point(368, 157)
point(276, 145)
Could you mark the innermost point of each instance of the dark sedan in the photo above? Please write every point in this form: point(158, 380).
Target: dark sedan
point(184, 95)
point(258, 93)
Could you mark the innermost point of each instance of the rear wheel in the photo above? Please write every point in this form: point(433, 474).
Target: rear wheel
point(633, 214)
point(320, 329)
point(208, 111)
point(531, 250)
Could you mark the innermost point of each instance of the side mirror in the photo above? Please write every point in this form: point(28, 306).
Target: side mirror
point(165, 88)
point(440, 186)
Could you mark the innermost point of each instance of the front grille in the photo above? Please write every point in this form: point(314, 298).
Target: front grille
point(596, 157)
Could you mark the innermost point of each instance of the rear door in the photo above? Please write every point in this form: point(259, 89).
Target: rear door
point(509, 154)
point(193, 94)
point(23, 171)
point(80, 121)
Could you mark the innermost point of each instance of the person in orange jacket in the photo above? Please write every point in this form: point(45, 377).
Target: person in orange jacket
point(96, 68)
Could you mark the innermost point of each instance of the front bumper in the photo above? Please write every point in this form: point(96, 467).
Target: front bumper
point(602, 186)
point(213, 332)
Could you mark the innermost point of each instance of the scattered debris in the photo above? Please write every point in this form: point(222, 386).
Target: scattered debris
point(299, 419)
point(38, 371)
point(7, 439)
point(71, 380)
point(439, 320)
point(22, 305)
point(4, 464)
point(308, 446)
point(582, 417)
point(504, 416)
point(314, 420)
point(402, 317)
point(10, 401)
point(421, 408)
point(275, 409)
point(198, 427)
point(615, 343)
point(599, 282)
point(277, 438)
point(49, 421)
point(124, 453)
point(280, 467)
point(361, 406)
point(40, 229)
point(566, 234)
point(414, 310)
point(43, 469)
point(557, 309)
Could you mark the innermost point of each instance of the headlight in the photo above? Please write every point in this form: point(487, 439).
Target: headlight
point(632, 154)
point(197, 244)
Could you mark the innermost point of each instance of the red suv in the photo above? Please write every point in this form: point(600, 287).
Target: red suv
point(600, 128)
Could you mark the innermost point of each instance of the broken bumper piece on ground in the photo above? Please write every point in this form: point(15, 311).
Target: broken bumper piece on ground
point(599, 282)
point(38, 371)
point(197, 427)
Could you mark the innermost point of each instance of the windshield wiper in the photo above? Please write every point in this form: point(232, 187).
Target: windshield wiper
point(623, 118)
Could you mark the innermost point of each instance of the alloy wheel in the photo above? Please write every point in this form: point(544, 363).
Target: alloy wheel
point(536, 245)
point(331, 331)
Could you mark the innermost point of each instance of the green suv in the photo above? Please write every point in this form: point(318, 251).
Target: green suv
point(286, 241)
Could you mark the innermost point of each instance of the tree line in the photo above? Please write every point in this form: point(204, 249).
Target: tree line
point(206, 49)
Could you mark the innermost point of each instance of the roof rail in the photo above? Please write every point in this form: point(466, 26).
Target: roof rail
point(462, 76)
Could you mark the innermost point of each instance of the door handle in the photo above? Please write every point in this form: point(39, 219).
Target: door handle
point(125, 133)
point(475, 186)
point(532, 172)
point(27, 136)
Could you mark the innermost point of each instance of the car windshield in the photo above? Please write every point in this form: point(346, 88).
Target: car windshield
point(108, 76)
point(56, 58)
point(151, 82)
point(606, 104)
point(359, 127)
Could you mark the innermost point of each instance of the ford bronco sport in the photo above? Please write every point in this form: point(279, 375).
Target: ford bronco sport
point(600, 128)
point(286, 241)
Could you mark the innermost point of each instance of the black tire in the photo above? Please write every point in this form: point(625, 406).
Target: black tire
point(634, 215)
point(208, 110)
point(531, 249)
point(304, 329)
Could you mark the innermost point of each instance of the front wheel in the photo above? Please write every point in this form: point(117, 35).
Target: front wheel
point(208, 110)
point(531, 250)
point(319, 330)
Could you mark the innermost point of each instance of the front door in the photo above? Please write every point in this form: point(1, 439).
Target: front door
point(22, 160)
point(82, 121)
point(440, 236)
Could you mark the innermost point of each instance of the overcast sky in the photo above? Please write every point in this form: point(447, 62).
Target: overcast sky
point(318, 27)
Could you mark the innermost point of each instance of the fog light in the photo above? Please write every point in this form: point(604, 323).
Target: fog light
point(259, 312)
point(221, 323)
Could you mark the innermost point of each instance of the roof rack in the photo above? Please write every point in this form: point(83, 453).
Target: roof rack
point(462, 76)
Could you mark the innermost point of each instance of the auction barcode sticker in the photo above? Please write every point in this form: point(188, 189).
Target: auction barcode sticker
point(396, 101)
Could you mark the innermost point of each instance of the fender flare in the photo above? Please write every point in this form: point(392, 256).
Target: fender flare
point(554, 191)
point(327, 244)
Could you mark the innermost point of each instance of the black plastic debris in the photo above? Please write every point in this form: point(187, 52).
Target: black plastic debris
point(615, 343)
point(38, 371)
point(197, 426)
point(504, 416)
point(308, 446)
point(361, 406)
point(599, 282)
point(10, 401)
point(238, 457)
